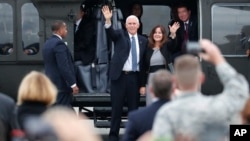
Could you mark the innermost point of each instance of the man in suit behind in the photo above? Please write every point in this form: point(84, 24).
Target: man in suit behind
point(59, 64)
point(137, 123)
point(189, 23)
point(85, 34)
point(188, 30)
point(126, 68)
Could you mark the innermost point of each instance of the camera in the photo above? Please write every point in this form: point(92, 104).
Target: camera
point(193, 47)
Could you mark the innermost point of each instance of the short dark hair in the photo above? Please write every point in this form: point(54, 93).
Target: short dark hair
point(88, 7)
point(85, 6)
point(131, 5)
point(57, 25)
point(181, 5)
point(162, 84)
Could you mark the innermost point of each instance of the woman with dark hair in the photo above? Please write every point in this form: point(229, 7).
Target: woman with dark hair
point(160, 46)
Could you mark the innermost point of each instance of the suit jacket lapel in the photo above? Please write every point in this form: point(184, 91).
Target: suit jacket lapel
point(190, 27)
point(140, 46)
point(128, 39)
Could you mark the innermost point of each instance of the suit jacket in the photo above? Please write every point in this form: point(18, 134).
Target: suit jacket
point(121, 52)
point(192, 29)
point(85, 41)
point(180, 34)
point(59, 64)
point(141, 121)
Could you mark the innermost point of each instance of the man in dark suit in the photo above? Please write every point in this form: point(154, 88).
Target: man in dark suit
point(126, 68)
point(85, 34)
point(59, 64)
point(189, 25)
point(137, 123)
point(188, 30)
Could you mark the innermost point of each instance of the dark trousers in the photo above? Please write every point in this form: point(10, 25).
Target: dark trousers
point(126, 87)
point(64, 99)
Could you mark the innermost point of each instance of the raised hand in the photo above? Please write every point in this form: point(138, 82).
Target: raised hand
point(174, 27)
point(212, 53)
point(107, 13)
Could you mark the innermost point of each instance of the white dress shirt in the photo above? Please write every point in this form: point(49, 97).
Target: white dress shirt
point(186, 23)
point(128, 64)
point(77, 24)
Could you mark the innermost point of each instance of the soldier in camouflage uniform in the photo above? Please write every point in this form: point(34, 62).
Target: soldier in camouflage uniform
point(193, 114)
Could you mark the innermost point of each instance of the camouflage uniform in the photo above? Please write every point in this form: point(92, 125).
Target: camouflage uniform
point(191, 113)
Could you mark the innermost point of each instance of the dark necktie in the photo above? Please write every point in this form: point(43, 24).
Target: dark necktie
point(183, 47)
point(186, 32)
point(76, 27)
point(134, 54)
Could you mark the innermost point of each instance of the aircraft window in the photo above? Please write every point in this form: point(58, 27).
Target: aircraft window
point(6, 29)
point(160, 15)
point(30, 29)
point(231, 31)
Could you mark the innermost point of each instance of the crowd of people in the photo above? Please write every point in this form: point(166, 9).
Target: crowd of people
point(157, 67)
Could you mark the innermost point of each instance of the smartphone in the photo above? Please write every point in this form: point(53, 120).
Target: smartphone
point(194, 48)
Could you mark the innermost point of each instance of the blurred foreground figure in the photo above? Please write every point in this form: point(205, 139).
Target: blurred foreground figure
point(68, 126)
point(36, 93)
point(6, 115)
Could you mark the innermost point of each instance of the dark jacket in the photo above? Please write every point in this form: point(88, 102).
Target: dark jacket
point(141, 121)
point(29, 109)
point(192, 29)
point(192, 32)
point(7, 107)
point(166, 50)
point(85, 41)
point(59, 64)
point(121, 52)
